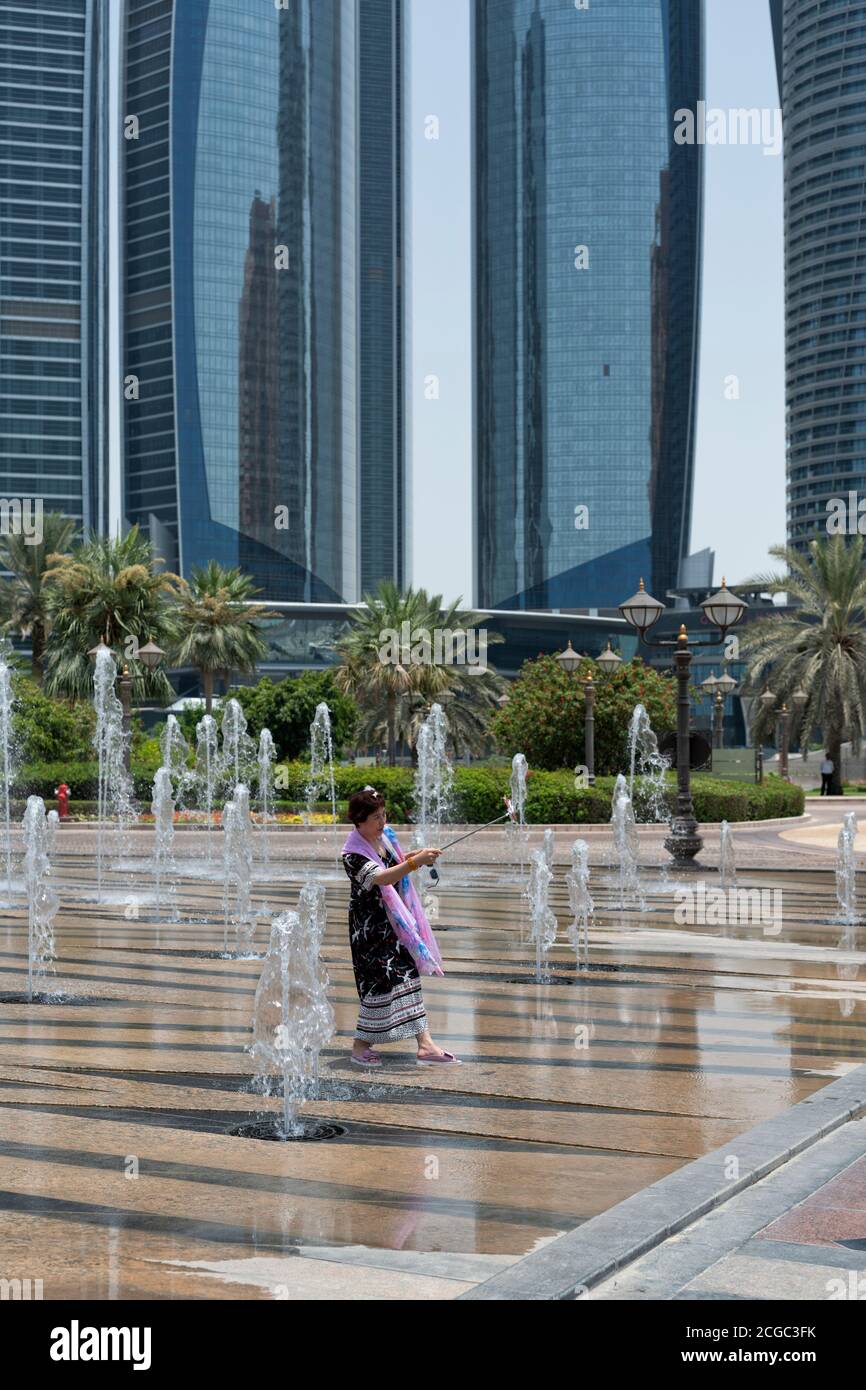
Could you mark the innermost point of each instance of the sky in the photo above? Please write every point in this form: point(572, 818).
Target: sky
point(739, 500)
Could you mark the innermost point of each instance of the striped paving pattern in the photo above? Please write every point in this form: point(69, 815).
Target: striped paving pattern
point(119, 1176)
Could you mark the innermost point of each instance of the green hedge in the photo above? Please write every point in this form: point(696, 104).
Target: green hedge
point(552, 798)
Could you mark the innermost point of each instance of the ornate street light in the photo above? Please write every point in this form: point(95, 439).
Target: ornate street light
point(711, 684)
point(609, 661)
point(642, 611)
point(799, 700)
point(150, 655)
point(723, 610)
point(569, 659)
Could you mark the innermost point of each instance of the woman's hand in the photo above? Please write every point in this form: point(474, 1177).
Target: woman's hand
point(426, 856)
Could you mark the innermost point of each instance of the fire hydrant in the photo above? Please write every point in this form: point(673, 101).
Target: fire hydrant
point(62, 794)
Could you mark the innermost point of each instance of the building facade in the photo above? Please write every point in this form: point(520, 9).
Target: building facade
point(821, 55)
point(52, 255)
point(263, 301)
point(587, 247)
point(202, 280)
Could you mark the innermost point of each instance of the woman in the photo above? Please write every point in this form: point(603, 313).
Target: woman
point(387, 928)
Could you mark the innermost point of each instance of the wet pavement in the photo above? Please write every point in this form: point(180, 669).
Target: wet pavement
point(119, 1176)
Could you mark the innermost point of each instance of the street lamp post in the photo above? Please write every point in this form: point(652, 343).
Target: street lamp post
point(569, 661)
point(608, 661)
point(722, 611)
point(124, 686)
point(717, 689)
point(718, 721)
point(589, 728)
point(783, 724)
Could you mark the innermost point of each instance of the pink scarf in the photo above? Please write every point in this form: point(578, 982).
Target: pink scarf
point(408, 919)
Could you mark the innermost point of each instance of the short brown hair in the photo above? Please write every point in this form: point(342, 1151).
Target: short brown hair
point(363, 804)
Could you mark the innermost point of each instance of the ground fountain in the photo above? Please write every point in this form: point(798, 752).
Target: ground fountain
point(115, 788)
point(434, 779)
point(627, 847)
point(320, 785)
point(293, 1018)
point(542, 921)
point(647, 787)
point(846, 871)
point(162, 806)
point(548, 846)
point(237, 872)
point(580, 901)
point(266, 758)
point(727, 861)
point(238, 748)
point(649, 764)
point(207, 767)
point(42, 901)
point(517, 827)
point(175, 757)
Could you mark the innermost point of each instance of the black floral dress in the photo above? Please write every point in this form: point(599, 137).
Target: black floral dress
point(389, 986)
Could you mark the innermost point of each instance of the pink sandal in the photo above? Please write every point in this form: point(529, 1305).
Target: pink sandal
point(367, 1059)
point(447, 1057)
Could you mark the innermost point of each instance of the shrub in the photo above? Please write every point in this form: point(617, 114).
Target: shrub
point(551, 797)
point(288, 708)
point(544, 716)
point(48, 729)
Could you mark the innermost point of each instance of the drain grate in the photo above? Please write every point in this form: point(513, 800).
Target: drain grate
point(40, 999)
point(308, 1130)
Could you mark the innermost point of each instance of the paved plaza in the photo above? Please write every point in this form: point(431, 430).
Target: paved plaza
point(120, 1176)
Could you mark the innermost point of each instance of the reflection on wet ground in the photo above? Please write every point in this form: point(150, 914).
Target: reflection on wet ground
point(119, 1176)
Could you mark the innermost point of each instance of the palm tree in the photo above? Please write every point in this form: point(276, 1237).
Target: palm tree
point(23, 597)
point(820, 647)
point(391, 665)
point(217, 625)
point(108, 589)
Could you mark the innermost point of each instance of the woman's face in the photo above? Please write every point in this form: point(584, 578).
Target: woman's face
point(372, 827)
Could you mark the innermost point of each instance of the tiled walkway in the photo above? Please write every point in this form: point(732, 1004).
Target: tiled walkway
point(119, 1176)
point(799, 1234)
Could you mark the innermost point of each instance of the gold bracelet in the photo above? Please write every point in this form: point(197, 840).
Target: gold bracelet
point(410, 864)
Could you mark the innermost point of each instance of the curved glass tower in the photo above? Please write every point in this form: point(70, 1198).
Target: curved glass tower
point(587, 255)
point(263, 235)
point(822, 47)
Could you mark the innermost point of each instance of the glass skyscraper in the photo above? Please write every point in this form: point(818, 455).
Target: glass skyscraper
point(263, 297)
point(52, 209)
point(821, 52)
point(587, 281)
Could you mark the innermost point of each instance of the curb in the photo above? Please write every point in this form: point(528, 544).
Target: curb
point(575, 1262)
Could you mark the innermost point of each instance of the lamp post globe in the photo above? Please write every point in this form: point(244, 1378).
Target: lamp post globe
point(609, 661)
point(642, 611)
point(569, 659)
